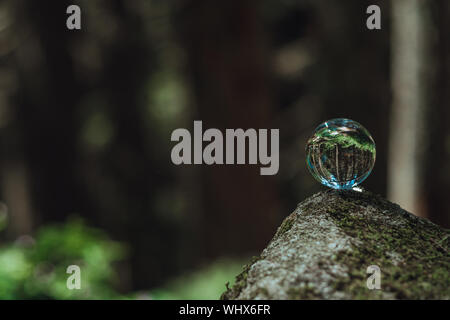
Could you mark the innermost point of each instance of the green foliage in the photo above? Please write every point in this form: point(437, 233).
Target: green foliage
point(38, 271)
point(346, 140)
point(205, 283)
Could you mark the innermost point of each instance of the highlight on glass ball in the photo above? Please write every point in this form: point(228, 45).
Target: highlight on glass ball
point(340, 154)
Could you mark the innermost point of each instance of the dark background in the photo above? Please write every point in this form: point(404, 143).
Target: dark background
point(86, 117)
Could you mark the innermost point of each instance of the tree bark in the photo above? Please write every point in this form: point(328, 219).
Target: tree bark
point(406, 143)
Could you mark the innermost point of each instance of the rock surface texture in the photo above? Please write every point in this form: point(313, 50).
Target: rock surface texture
point(323, 249)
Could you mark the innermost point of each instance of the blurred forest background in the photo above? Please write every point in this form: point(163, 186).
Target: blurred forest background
point(86, 117)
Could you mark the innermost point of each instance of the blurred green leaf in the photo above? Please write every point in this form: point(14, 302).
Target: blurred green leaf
point(205, 283)
point(39, 271)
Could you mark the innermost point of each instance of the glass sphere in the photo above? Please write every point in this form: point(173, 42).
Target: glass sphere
point(340, 154)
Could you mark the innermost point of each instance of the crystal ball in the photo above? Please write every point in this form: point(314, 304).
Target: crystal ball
point(340, 154)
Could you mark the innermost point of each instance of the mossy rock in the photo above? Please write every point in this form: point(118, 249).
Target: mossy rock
point(323, 249)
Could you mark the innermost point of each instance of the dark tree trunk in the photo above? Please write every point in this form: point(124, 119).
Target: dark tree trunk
point(45, 108)
point(225, 45)
point(438, 155)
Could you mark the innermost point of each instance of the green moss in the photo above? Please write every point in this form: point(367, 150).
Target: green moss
point(286, 225)
point(240, 283)
point(260, 292)
point(241, 279)
point(308, 292)
point(412, 253)
point(426, 273)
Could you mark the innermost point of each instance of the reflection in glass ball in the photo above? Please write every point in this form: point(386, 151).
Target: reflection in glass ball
point(340, 154)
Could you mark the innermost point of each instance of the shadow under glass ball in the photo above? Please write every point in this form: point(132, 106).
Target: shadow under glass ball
point(340, 154)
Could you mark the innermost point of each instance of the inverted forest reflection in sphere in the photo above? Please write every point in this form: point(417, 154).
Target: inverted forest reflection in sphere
point(340, 154)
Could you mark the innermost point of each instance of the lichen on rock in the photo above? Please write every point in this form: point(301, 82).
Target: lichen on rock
point(322, 251)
